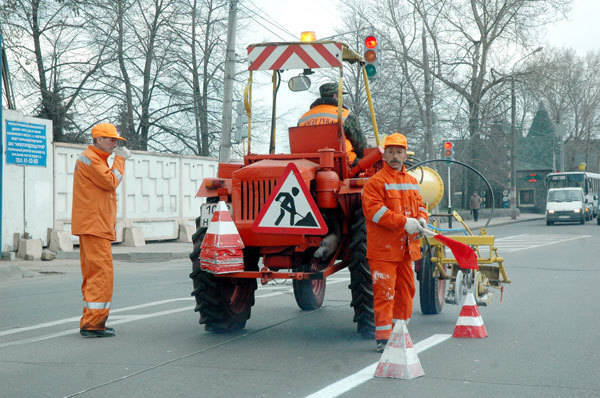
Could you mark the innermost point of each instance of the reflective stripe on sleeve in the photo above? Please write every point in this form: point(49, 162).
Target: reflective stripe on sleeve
point(422, 209)
point(379, 214)
point(118, 174)
point(402, 187)
point(84, 159)
point(97, 305)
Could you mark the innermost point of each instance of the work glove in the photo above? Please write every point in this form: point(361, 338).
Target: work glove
point(423, 223)
point(412, 226)
point(122, 152)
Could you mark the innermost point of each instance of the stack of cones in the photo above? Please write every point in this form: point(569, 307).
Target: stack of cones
point(469, 323)
point(222, 245)
point(399, 360)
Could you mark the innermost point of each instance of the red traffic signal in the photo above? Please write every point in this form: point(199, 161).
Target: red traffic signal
point(448, 150)
point(532, 177)
point(371, 56)
point(370, 42)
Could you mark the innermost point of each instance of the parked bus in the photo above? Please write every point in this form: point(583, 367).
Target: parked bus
point(589, 182)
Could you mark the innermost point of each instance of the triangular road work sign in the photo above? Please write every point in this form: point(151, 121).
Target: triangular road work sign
point(290, 209)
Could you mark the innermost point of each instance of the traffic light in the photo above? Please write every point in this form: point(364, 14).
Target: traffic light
point(448, 150)
point(371, 56)
point(532, 178)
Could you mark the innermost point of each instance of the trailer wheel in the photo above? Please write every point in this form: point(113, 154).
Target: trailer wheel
point(361, 284)
point(431, 288)
point(309, 294)
point(223, 303)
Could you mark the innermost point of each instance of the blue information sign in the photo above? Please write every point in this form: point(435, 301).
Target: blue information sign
point(25, 143)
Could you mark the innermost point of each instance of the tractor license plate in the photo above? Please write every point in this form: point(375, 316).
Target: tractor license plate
point(206, 213)
point(564, 217)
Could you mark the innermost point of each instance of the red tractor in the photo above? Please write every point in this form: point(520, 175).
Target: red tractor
point(290, 209)
point(320, 162)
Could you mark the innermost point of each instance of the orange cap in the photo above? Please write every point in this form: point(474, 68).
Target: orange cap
point(106, 130)
point(396, 139)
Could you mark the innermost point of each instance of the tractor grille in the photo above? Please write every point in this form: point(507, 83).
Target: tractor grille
point(253, 195)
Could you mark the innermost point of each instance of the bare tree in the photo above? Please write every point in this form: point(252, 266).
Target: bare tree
point(199, 67)
point(570, 87)
point(138, 80)
point(54, 59)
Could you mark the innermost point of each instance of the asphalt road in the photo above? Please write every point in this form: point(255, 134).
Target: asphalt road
point(543, 339)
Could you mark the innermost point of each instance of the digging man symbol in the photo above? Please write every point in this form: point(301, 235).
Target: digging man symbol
point(288, 205)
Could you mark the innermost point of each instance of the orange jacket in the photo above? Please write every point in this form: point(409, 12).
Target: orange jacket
point(327, 114)
point(388, 198)
point(94, 193)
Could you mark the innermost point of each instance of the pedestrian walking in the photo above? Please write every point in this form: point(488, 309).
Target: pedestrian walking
point(93, 220)
point(395, 215)
point(475, 204)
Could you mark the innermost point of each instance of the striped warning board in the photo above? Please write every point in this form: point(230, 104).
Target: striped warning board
point(275, 56)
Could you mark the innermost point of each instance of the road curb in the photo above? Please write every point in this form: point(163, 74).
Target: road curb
point(508, 223)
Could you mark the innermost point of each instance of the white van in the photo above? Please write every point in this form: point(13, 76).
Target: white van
point(565, 204)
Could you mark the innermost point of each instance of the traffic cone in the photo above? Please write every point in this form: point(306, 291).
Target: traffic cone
point(469, 323)
point(222, 245)
point(399, 360)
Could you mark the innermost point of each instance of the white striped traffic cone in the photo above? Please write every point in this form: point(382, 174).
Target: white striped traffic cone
point(399, 360)
point(469, 323)
point(222, 245)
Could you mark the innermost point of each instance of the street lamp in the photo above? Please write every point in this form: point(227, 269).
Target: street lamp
point(513, 135)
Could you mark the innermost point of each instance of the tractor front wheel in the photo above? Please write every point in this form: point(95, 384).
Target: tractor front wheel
point(309, 293)
point(224, 303)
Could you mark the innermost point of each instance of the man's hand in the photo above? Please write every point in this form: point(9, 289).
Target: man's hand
point(122, 152)
point(412, 226)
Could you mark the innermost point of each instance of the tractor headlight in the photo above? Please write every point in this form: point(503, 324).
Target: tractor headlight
point(550, 211)
point(577, 211)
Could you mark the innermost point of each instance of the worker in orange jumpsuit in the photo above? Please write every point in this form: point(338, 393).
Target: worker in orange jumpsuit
point(324, 110)
point(93, 220)
point(395, 215)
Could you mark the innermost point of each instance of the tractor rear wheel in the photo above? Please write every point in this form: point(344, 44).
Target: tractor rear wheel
point(309, 293)
point(224, 303)
point(361, 284)
point(431, 288)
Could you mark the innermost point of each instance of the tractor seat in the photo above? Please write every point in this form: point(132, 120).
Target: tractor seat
point(309, 139)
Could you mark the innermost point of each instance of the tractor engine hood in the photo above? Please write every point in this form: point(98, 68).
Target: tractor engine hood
point(269, 169)
point(253, 184)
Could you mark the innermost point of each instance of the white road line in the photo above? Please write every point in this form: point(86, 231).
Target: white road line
point(131, 318)
point(118, 319)
point(76, 318)
point(346, 384)
point(510, 244)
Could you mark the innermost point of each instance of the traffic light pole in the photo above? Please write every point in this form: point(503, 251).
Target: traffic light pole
point(513, 151)
point(449, 199)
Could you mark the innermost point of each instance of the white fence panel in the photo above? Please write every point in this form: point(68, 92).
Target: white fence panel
point(157, 194)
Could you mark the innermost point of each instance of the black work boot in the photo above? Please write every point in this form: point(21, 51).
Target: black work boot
point(108, 332)
point(381, 345)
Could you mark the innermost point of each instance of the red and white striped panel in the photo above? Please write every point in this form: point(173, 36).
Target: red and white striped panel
point(222, 245)
point(399, 360)
point(295, 56)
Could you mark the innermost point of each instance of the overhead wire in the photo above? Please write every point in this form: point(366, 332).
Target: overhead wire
point(253, 14)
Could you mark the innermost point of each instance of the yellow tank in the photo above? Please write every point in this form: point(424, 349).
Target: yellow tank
point(432, 186)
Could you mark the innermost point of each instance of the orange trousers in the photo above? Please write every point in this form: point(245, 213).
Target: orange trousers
point(393, 292)
point(97, 286)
